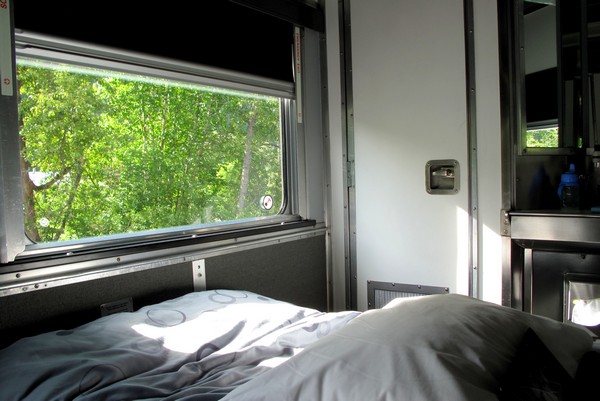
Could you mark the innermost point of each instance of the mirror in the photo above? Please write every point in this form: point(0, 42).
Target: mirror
point(561, 63)
point(540, 66)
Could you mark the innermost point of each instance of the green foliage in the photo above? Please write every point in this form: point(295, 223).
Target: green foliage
point(117, 155)
point(542, 138)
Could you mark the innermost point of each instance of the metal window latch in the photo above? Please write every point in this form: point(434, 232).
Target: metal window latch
point(444, 172)
point(442, 176)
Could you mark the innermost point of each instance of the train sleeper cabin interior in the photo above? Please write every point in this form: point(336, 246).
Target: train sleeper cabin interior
point(300, 200)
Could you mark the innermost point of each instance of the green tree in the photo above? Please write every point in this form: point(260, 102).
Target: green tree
point(542, 138)
point(117, 155)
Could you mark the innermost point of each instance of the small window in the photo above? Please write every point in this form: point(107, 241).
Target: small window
point(543, 137)
point(110, 152)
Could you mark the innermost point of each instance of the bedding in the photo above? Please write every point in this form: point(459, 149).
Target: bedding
point(238, 345)
point(438, 347)
point(199, 346)
point(535, 374)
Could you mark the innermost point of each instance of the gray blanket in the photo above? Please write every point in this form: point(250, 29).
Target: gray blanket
point(196, 347)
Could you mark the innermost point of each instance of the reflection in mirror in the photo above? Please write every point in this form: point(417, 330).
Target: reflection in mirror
point(593, 55)
point(561, 43)
point(541, 75)
point(573, 74)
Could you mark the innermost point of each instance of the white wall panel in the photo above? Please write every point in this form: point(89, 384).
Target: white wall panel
point(408, 67)
point(336, 213)
point(410, 107)
point(489, 152)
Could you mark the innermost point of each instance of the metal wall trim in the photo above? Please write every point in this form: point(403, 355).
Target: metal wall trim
point(473, 198)
point(568, 228)
point(39, 279)
point(349, 154)
point(510, 124)
point(326, 169)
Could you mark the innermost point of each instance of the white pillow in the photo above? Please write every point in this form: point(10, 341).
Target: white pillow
point(438, 347)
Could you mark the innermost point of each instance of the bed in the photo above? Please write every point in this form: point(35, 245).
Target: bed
point(238, 345)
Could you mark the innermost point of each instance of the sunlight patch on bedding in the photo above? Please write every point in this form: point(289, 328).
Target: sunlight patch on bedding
point(188, 335)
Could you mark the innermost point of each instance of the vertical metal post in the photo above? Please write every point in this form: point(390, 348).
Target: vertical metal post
point(348, 145)
point(472, 144)
point(512, 109)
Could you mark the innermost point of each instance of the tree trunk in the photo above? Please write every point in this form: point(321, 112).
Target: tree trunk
point(67, 211)
point(28, 196)
point(247, 163)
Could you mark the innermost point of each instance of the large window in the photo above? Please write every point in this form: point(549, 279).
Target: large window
point(109, 152)
point(117, 136)
point(117, 148)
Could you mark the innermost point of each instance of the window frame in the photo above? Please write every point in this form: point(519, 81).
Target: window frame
point(16, 248)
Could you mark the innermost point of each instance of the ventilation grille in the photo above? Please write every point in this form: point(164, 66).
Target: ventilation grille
point(380, 293)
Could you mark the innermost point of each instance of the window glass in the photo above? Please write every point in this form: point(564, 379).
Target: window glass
point(105, 152)
point(546, 137)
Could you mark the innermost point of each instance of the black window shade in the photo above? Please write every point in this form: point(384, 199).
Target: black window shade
point(214, 33)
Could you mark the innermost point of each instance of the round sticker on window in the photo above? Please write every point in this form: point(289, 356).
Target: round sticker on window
point(266, 202)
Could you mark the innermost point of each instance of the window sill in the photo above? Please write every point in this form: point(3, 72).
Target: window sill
point(43, 272)
point(160, 241)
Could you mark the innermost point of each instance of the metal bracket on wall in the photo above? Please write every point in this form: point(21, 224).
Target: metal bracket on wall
point(199, 275)
point(122, 305)
point(505, 223)
point(350, 173)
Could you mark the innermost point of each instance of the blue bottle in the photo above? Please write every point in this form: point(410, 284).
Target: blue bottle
point(568, 189)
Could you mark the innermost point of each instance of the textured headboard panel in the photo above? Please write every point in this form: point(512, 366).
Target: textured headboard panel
point(295, 272)
point(292, 271)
